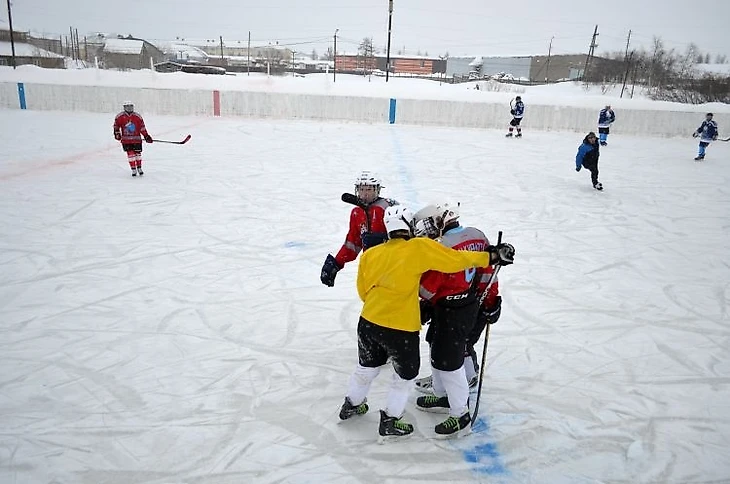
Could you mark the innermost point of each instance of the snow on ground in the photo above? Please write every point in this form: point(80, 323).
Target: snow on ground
point(564, 94)
point(173, 329)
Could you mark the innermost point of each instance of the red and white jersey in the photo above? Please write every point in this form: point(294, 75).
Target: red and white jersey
point(360, 222)
point(130, 126)
point(437, 285)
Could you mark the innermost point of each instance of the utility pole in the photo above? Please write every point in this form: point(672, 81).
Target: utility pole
point(248, 54)
point(547, 64)
point(334, 58)
point(627, 59)
point(221, 37)
point(12, 38)
point(390, 28)
point(591, 49)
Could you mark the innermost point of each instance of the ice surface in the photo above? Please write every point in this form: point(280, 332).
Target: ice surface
point(173, 329)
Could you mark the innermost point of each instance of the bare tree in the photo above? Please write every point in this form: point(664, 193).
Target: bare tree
point(314, 54)
point(329, 55)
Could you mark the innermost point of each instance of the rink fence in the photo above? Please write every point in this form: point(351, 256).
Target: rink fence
point(275, 105)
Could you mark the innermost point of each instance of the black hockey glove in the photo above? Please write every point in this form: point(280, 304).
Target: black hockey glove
point(371, 239)
point(330, 268)
point(426, 311)
point(512, 112)
point(493, 312)
point(501, 254)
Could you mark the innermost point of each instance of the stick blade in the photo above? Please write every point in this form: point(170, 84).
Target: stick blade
point(187, 138)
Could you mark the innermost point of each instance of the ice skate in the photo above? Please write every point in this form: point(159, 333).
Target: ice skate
point(508, 135)
point(139, 170)
point(134, 172)
point(598, 186)
point(392, 428)
point(432, 403)
point(349, 410)
point(454, 427)
point(518, 135)
point(699, 157)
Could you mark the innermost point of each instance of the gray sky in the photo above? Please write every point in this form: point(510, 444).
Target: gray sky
point(465, 27)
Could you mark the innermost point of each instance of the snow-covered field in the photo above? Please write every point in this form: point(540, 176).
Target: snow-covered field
point(173, 329)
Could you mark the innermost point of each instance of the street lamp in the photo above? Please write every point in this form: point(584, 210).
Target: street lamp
point(390, 23)
point(334, 57)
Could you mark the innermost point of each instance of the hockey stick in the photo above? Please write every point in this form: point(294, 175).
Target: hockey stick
point(720, 139)
point(187, 138)
point(486, 340)
point(353, 200)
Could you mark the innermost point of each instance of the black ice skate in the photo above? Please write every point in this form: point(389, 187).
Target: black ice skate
point(454, 426)
point(598, 186)
point(604, 143)
point(134, 172)
point(518, 135)
point(699, 157)
point(349, 410)
point(508, 135)
point(139, 170)
point(432, 403)
point(391, 428)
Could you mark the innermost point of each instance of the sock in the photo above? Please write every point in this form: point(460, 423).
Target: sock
point(457, 390)
point(397, 396)
point(360, 382)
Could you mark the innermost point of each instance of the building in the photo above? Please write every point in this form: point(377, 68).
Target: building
point(130, 53)
point(528, 69)
point(399, 64)
point(26, 53)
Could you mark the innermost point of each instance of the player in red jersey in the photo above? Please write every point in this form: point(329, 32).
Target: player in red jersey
point(129, 129)
point(366, 226)
point(457, 318)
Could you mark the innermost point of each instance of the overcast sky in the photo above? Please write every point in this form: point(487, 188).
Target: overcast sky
point(436, 27)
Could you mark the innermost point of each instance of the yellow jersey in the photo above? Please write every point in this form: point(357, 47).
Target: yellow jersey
point(389, 275)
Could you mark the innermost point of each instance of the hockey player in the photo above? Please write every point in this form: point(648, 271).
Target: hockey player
point(707, 133)
point(605, 118)
point(517, 111)
point(388, 280)
point(129, 128)
point(588, 153)
point(366, 226)
point(455, 300)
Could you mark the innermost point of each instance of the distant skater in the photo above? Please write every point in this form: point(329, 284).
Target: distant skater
point(707, 133)
point(605, 119)
point(517, 111)
point(587, 157)
point(129, 128)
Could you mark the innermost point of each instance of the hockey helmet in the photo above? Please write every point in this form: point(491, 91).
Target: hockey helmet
point(398, 219)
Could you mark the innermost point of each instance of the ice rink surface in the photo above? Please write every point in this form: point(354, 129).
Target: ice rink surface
point(173, 328)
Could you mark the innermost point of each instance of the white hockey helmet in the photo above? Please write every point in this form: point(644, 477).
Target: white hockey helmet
point(367, 186)
point(428, 222)
point(449, 213)
point(128, 106)
point(398, 218)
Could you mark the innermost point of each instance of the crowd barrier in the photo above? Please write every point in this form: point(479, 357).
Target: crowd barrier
point(275, 105)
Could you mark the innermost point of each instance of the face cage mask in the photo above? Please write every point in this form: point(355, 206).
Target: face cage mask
point(427, 227)
point(374, 197)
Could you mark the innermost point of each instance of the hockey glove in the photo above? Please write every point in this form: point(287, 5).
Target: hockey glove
point(330, 268)
point(426, 311)
point(512, 112)
point(714, 138)
point(371, 239)
point(493, 312)
point(148, 138)
point(118, 136)
point(695, 134)
point(501, 254)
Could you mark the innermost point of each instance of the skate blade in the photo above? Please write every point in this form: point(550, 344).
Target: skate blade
point(391, 439)
point(456, 435)
point(433, 409)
